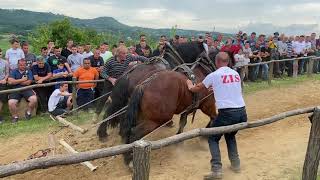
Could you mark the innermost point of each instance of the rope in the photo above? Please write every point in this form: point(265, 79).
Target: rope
point(87, 103)
point(187, 109)
point(118, 113)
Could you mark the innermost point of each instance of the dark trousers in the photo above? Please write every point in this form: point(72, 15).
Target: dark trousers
point(84, 96)
point(102, 89)
point(226, 117)
point(43, 94)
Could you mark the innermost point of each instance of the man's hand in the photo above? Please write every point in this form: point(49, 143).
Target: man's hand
point(24, 78)
point(40, 81)
point(112, 80)
point(190, 84)
point(3, 81)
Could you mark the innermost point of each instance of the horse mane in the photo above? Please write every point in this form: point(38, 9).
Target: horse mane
point(188, 51)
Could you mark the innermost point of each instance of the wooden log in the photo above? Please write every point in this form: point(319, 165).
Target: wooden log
point(295, 68)
point(41, 163)
point(141, 160)
point(270, 76)
point(71, 125)
point(21, 167)
point(312, 158)
point(71, 150)
point(74, 93)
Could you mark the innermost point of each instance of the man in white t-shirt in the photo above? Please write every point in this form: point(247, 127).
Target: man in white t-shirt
point(226, 85)
point(60, 100)
point(14, 54)
point(104, 52)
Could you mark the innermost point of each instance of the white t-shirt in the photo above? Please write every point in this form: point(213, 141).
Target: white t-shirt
point(226, 84)
point(54, 100)
point(299, 47)
point(106, 56)
point(86, 55)
point(14, 55)
point(241, 60)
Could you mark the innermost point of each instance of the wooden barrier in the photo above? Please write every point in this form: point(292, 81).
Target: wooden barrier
point(311, 161)
point(48, 85)
point(74, 93)
point(270, 75)
point(141, 160)
point(25, 166)
point(295, 72)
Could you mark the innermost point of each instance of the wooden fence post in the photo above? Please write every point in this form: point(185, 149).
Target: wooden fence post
point(74, 93)
point(310, 67)
point(270, 76)
point(141, 160)
point(295, 68)
point(312, 158)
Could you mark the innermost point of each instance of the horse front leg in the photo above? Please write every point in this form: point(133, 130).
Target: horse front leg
point(182, 122)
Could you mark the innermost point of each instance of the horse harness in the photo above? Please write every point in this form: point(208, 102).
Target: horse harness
point(188, 71)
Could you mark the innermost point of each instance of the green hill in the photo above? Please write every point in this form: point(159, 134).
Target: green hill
point(22, 21)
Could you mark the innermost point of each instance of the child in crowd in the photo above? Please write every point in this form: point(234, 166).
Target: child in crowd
point(60, 74)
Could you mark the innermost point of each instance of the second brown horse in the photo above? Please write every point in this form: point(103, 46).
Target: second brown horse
point(157, 99)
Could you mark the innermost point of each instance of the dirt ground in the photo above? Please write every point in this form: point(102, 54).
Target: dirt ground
point(271, 152)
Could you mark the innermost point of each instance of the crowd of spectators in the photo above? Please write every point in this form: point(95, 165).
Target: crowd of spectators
point(21, 67)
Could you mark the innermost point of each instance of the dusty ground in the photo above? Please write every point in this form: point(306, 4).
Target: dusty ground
point(272, 152)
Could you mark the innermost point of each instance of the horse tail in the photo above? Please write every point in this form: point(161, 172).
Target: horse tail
point(132, 114)
point(117, 100)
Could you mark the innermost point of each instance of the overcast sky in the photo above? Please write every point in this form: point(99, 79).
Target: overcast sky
point(223, 15)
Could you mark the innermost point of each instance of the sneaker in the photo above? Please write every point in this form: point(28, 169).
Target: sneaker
point(28, 115)
point(235, 169)
point(15, 119)
point(217, 174)
point(1, 120)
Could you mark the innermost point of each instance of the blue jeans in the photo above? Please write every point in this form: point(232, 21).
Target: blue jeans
point(85, 96)
point(226, 117)
point(265, 71)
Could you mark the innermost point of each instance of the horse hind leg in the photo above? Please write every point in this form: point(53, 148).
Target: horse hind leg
point(182, 122)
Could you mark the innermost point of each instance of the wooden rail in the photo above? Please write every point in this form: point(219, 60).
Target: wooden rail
point(41, 163)
point(47, 85)
point(295, 60)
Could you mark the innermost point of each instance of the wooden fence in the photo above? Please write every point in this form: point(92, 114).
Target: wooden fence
point(141, 149)
point(309, 60)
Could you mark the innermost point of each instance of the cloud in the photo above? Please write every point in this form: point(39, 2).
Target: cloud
point(221, 15)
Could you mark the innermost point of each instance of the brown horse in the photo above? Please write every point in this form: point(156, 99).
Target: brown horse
point(158, 98)
point(125, 85)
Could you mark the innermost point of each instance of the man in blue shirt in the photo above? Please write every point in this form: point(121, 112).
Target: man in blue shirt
point(18, 78)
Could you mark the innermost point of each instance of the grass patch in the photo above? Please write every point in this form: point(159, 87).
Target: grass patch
point(36, 124)
point(39, 123)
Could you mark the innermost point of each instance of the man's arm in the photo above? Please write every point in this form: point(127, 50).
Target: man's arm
point(138, 58)
point(105, 73)
point(195, 88)
point(13, 81)
point(26, 83)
